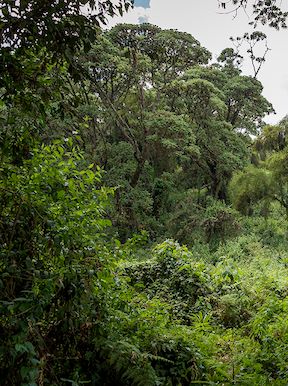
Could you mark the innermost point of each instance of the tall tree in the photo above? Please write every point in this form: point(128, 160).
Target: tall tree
point(50, 26)
point(270, 12)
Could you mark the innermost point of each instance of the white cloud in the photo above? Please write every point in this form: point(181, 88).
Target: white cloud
point(143, 19)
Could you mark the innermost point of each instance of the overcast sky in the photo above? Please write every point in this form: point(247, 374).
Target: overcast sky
point(203, 20)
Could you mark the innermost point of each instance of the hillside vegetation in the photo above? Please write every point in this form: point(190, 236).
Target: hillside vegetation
point(143, 210)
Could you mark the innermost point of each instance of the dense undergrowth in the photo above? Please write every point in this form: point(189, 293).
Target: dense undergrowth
point(231, 304)
point(96, 311)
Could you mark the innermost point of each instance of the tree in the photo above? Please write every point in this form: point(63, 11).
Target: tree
point(277, 164)
point(267, 179)
point(38, 43)
point(158, 118)
point(250, 186)
point(53, 25)
point(271, 139)
point(47, 29)
point(128, 69)
point(265, 12)
point(223, 105)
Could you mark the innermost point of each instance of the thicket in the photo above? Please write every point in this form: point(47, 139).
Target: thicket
point(113, 158)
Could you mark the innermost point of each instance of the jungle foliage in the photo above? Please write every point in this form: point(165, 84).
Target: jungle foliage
point(143, 207)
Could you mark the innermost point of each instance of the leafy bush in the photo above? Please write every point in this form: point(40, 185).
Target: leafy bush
point(52, 257)
point(249, 186)
point(203, 220)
